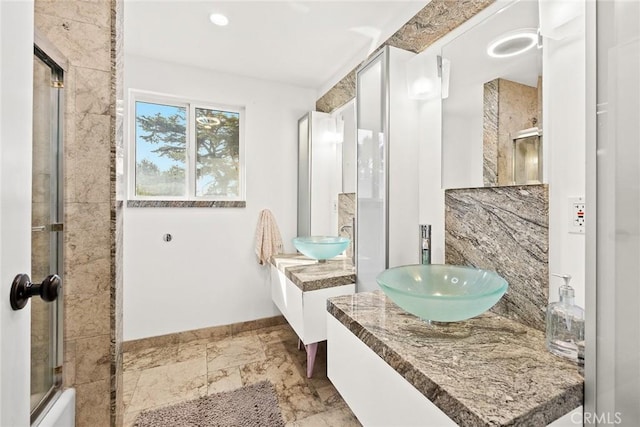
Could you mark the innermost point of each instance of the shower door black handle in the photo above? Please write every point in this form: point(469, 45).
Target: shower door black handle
point(22, 289)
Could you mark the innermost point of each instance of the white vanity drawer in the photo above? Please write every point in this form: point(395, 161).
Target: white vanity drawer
point(305, 311)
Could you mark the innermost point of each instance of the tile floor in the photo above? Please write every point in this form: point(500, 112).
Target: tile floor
point(161, 376)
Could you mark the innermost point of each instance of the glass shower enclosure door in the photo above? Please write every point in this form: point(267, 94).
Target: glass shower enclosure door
point(46, 229)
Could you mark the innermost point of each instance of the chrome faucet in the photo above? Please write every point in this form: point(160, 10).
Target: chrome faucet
point(353, 237)
point(344, 227)
point(425, 244)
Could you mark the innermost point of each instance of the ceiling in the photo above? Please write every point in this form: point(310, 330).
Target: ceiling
point(310, 44)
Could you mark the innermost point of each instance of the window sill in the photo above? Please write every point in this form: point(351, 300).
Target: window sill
point(186, 204)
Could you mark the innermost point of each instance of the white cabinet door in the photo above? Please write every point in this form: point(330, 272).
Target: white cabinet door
point(374, 391)
point(305, 311)
point(288, 298)
point(572, 419)
point(314, 310)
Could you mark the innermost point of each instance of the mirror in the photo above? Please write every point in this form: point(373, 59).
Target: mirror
point(492, 117)
point(347, 116)
point(326, 168)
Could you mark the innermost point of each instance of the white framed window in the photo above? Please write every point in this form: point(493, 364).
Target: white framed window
point(185, 150)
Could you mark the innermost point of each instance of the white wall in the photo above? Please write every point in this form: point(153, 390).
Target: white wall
point(208, 274)
point(403, 166)
point(431, 194)
point(564, 118)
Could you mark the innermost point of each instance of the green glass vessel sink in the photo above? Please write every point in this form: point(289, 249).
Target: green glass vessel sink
point(321, 247)
point(442, 293)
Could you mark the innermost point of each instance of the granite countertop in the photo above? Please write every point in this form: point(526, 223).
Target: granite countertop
point(486, 371)
point(309, 275)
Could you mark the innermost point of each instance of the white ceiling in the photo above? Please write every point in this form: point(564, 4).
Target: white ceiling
point(304, 43)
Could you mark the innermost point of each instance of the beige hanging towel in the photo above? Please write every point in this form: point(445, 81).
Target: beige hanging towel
point(268, 239)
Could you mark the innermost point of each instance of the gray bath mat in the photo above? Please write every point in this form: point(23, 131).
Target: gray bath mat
point(254, 405)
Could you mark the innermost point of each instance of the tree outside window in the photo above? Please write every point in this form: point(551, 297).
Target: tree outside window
point(183, 151)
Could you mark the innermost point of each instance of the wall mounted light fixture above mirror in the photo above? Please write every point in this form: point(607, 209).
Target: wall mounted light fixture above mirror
point(492, 117)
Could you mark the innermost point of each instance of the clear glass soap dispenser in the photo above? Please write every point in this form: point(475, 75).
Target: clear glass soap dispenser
point(565, 323)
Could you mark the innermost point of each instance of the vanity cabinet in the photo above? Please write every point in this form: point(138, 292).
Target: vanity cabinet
point(391, 368)
point(378, 395)
point(305, 310)
point(375, 392)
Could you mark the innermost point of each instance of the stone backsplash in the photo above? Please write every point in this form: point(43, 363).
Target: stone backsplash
point(504, 229)
point(346, 213)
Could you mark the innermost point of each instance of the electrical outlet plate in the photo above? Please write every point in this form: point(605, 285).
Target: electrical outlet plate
point(576, 215)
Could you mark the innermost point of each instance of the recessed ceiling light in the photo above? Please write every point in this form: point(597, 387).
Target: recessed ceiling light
point(513, 43)
point(219, 19)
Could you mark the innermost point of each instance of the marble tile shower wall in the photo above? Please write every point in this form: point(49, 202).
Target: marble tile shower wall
point(505, 229)
point(82, 31)
point(117, 219)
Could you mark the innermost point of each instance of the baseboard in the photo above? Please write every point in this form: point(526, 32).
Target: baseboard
point(214, 332)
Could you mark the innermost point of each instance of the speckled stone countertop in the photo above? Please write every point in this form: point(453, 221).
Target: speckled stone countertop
point(486, 371)
point(309, 275)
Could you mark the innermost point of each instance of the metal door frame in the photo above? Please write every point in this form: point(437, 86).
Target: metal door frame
point(57, 63)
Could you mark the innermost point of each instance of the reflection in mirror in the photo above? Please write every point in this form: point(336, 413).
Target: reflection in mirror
point(510, 113)
point(347, 115)
point(326, 168)
point(527, 157)
point(319, 175)
point(492, 118)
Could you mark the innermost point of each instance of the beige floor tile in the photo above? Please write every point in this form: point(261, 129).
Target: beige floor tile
point(289, 345)
point(330, 397)
point(192, 350)
point(166, 375)
point(129, 382)
point(130, 418)
point(240, 334)
point(319, 380)
point(149, 357)
point(170, 384)
point(277, 334)
point(224, 380)
point(334, 418)
point(298, 402)
point(280, 370)
point(235, 351)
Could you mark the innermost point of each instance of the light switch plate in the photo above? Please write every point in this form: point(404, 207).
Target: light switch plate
point(576, 215)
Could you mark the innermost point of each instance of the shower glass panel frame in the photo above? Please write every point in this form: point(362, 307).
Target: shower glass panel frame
point(372, 181)
point(47, 229)
point(304, 175)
